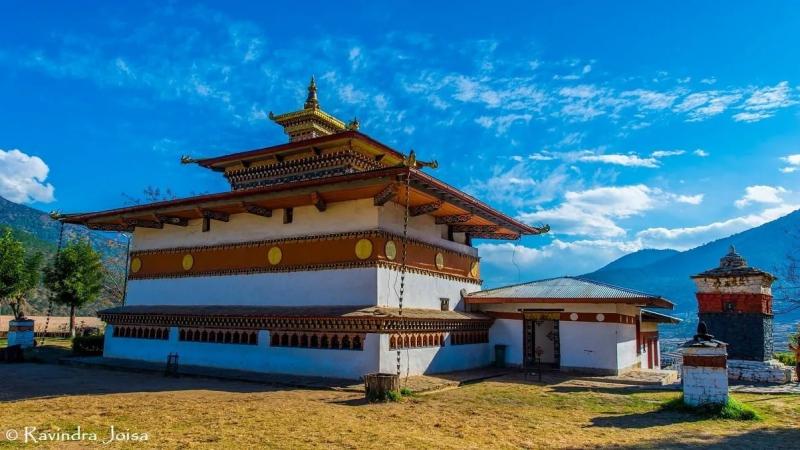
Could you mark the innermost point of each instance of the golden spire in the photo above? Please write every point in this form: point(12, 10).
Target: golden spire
point(309, 122)
point(311, 100)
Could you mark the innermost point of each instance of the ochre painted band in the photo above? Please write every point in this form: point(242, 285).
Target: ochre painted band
point(339, 251)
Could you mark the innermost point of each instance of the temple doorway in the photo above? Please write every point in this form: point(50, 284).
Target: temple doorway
point(541, 340)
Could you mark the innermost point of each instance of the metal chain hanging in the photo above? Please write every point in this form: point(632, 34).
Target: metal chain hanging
point(403, 256)
point(50, 302)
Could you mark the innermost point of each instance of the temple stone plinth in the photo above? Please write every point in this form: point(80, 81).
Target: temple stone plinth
point(704, 372)
point(20, 332)
point(735, 300)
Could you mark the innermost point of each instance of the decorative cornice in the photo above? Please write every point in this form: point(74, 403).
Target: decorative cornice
point(337, 324)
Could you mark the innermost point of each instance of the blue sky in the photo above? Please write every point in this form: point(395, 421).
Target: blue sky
point(623, 126)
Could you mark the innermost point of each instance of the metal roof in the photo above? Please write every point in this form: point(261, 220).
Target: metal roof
point(652, 316)
point(569, 289)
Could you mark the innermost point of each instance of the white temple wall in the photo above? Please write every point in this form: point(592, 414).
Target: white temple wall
point(421, 291)
point(355, 286)
point(339, 217)
point(508, 332)
point(590, 346)
point(348, 364)
point(626, 347)
point(422, 228)
point(428, 360)
point(734, 285)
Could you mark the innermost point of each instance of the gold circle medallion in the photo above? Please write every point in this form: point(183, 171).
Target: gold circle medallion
point(363, 248)
point(474, 270)
point(391, 250)
point(188, 262)
point(439, 261)
point(136, 265)
point(274, 255)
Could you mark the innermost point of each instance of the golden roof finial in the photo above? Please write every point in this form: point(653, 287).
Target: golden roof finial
point(414, 163)
point(311, 100)
point(354, 124)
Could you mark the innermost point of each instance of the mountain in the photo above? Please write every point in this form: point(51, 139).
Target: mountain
point(667, 272)
point(39, 233)
point(639, 259)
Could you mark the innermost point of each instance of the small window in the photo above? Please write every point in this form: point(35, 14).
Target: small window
point(445, 304)
point(288, 215)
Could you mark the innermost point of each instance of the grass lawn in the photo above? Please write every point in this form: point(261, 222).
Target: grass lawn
point(494, 414)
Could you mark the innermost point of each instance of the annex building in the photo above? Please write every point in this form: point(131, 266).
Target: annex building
point(336, 255)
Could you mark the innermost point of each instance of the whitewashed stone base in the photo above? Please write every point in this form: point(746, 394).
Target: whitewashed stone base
point(705, 385)
point(20, 333)
point(772, 371)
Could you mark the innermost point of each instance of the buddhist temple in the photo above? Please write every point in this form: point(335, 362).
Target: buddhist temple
point(333, 255)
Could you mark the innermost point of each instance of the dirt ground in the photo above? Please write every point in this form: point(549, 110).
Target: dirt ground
point(507, 412)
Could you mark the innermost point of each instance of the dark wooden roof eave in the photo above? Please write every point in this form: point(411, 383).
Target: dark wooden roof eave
point(266, 151)
point(440, 189)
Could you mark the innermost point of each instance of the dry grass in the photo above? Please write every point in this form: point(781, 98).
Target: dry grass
point(195, 413)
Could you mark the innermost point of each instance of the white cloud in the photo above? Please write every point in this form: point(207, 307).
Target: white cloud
point(760, 194)
point(504, 122)
point(701, 153)
point(22, 178)
point(519, 186)
point(592, 212)
point(700, 106)
point(630, 160)
point(793, 162)
point(763, 102)
point(650, 99)
point(665, 153)
point(556, 258)
point(690, 237)
point(690, 199)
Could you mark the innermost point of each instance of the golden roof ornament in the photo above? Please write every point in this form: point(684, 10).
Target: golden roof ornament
point(311, 100)
point(311, 121)
point(353, 124)
point(412, 161)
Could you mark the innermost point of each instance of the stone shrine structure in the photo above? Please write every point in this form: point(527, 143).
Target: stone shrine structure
point(705, 369)
point(735, 300)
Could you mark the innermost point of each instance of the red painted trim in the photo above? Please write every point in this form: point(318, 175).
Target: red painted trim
point(710, 302)
point(566, 317)
point(648, 301)
point(720, 361)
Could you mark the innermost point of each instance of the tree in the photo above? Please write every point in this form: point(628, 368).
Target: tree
point(75, 277)
point(12, 268)
point(31, 276)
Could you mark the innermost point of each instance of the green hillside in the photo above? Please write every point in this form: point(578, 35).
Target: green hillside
point(39, 233)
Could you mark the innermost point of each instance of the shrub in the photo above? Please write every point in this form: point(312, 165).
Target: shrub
point(394, 396)
point(88, 345)
point(787, 358)
point(406, 392)
point(733, 410)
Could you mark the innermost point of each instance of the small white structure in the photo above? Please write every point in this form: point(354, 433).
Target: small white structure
point(574, 324)
point(20, 332)
point(705, 371)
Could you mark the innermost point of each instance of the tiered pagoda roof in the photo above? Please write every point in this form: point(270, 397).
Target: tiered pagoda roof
point(325, 161)
point(733, 265)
